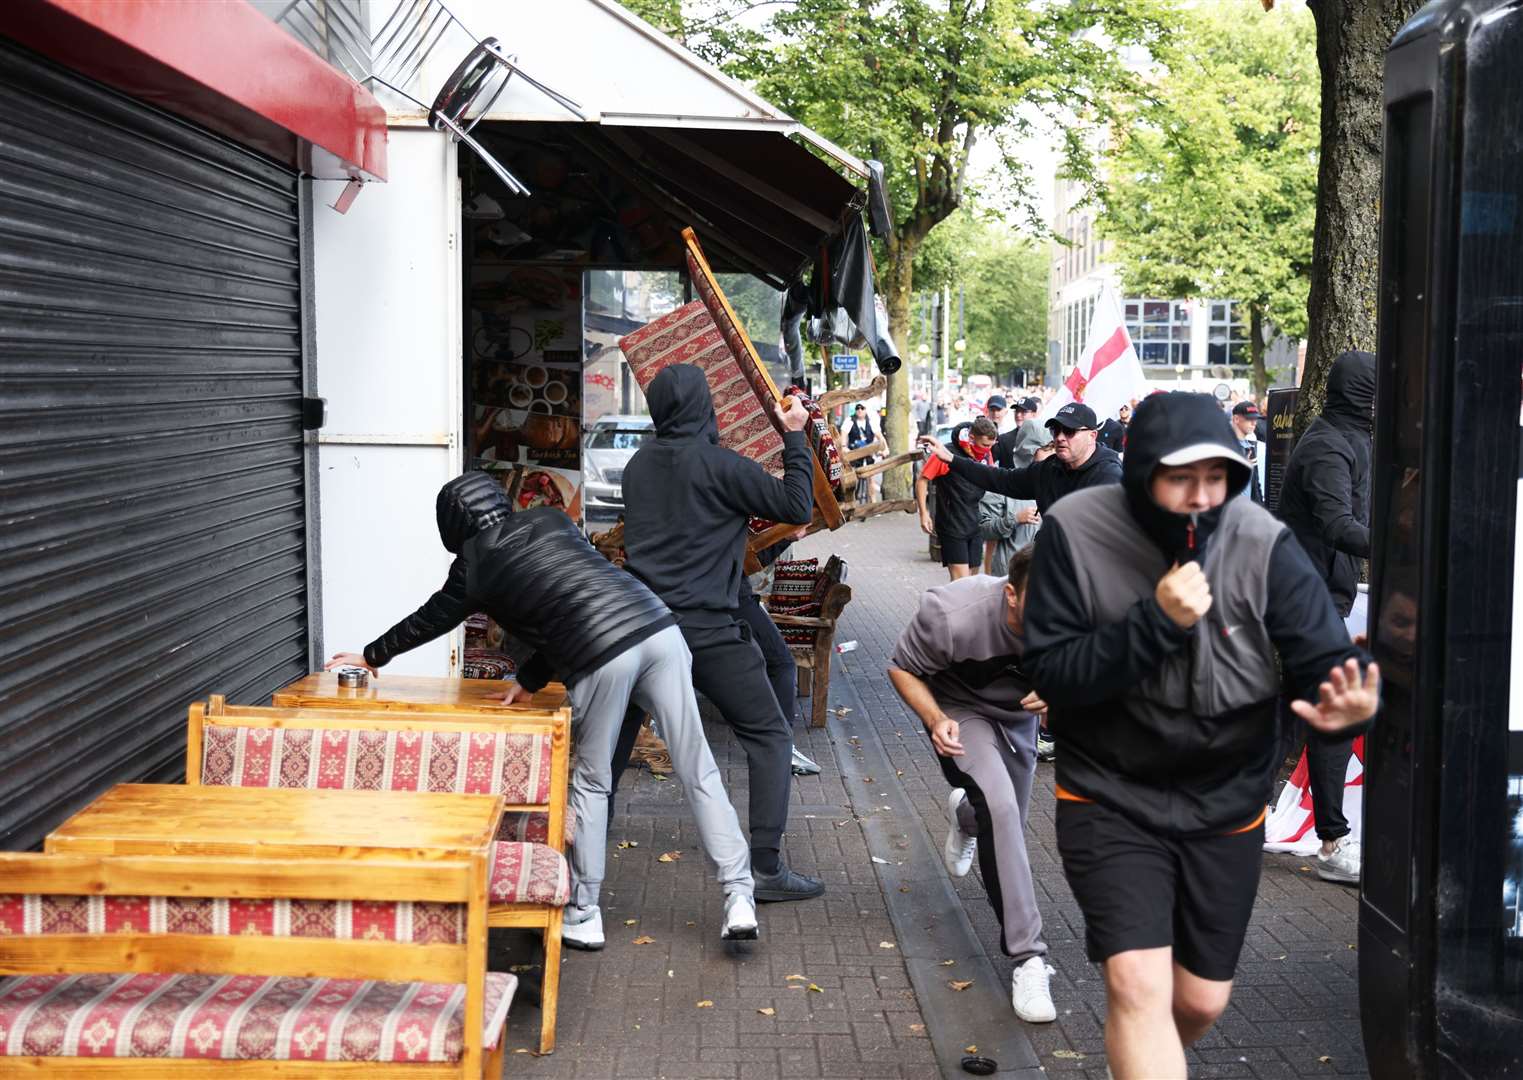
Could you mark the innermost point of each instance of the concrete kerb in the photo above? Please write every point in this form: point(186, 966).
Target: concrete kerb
point(928, 916)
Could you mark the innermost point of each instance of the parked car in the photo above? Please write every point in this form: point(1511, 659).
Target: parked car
point(606, 449)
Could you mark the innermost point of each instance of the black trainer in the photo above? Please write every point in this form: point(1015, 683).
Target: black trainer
point(786, 885)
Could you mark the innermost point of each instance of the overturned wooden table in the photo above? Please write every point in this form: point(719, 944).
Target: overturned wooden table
point(410, 692)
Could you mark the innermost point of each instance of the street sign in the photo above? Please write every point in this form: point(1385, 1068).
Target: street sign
point(843, 361)
point(954, 378)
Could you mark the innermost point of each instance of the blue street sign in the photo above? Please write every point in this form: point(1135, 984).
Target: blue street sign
point(843, 362)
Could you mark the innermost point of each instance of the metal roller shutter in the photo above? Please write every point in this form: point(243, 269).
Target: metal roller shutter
point(152, 495)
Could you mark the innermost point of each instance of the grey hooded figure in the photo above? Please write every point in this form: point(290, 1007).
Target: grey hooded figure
point(997, 513)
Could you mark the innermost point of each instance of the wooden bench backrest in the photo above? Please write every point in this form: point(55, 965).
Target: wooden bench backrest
point(539, 741)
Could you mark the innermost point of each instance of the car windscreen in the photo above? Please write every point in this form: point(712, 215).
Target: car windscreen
point(607, 438)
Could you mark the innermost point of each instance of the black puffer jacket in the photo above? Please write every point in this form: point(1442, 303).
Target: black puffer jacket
point(1326, 497)
point(535, 574)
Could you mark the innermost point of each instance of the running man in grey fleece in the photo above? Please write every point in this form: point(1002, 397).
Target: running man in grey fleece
point(957, 665)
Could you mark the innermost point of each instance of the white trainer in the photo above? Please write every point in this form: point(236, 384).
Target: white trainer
point(960, 848)
point(586, 932)
point(1343, 864)
point(1029, 992)
point(739, 918)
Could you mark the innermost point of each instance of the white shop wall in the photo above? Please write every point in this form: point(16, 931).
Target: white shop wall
point(388, 361)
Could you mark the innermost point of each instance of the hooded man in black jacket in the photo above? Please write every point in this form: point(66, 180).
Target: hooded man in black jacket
point(1154, 615)
point(1077, 462)
point(610, 641)
point(687, 504)
point(1326, 503)
point(957, 499)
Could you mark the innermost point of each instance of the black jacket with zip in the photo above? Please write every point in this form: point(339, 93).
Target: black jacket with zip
point(1326, 497)
point(1046, 481)
point(687, 500)
point(957, 498)
point(538, 577)
point(1126, 744)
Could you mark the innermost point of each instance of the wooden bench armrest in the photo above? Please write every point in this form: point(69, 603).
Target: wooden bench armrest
point(803, 620)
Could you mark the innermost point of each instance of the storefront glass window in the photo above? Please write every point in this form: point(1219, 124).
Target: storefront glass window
point(1160, 330)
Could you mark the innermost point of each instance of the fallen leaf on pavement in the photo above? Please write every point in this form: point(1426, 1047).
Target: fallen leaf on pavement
point(628, 844)
point(705, 1004)
point(815, 989)
point(659, 776)
point(960, 984)
point(880, 862)
point(644, 939)
point(867, 779)
point(1068, 1055)
point(948, 963)
point(767, 1012)
point(970, 1049)
point(887, 945)
point(904, 888)
point(669, 856)
point(630, 922)
point(841, 711)
point(917, 1029)
point(795, 978)
point(521, 1050)
point(1325, 1060)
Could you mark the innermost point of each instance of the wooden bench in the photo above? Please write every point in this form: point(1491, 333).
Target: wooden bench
point(164, 966)
point(518, 754)
point(411, 693)
point(805, 603)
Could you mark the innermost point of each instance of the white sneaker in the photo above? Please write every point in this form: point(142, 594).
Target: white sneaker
point(739, 918)
point(584, 933)
point(960, 848)
point(802, 765)
point(1029, 992)
point(1343, 864)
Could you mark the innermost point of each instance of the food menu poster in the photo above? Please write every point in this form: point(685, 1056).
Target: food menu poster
point(1281, 413)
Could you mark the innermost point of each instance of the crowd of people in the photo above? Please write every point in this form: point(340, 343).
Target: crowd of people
point(1117, 583)
point(1174, 638)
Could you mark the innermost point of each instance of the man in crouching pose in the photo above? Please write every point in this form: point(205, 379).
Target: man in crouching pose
point(611, 641)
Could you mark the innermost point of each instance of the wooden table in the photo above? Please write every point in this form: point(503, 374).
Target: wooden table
point(412, 692)
point(172, 819)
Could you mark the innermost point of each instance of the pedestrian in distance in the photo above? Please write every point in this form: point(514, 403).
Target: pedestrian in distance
point(1326, 502)
point(611, 641)
point(1245, 423)
point(956, 519)
point(1077, 462)
point(858, 435)
point(688, 503)
point(957, 667)
point(1160, 615)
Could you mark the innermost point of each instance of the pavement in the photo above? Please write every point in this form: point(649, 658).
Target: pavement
point(896, 971)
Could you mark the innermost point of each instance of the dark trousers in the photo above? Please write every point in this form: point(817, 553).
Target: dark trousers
point(782, 672)
point(730, 670)
point(1327, 768)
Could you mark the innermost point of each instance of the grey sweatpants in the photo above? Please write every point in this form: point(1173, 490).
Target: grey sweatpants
point(996, 768)
point(656, 675)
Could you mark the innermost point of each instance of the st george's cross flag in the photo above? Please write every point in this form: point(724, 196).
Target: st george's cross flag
point(1108, 374)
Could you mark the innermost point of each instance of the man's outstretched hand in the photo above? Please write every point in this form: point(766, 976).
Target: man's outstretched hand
point(351, 659)
point(792, 415)
point(1344, 700)
point(933, 444)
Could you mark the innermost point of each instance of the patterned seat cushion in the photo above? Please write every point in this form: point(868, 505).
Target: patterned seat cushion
point(242, 1017)
point(529, 874)
point(533, 826)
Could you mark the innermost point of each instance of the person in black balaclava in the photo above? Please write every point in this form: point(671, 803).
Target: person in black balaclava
point(687, 503)
point(610, 640)
point(1326, 502)
point(1161, 616)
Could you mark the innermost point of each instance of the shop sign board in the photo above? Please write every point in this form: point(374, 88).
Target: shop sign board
point(1281, 413)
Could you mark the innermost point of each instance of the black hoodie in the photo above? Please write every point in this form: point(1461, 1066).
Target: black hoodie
point(687, 500)
point(1125, 743)
point(535, 574)
point(1326, 497)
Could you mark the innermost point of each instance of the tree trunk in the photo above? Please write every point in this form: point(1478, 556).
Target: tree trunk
point(900, 285)
point(1352, 36)
point(1256, 350)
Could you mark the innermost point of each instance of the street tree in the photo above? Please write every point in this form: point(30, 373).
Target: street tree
point(917, 84)
point(1211, 184)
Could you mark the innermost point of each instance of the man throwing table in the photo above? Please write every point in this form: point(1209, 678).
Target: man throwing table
point(610, 641)
point(1153, 621)
point(687, 504)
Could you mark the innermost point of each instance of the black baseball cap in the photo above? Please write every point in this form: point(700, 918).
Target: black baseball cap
point(996, 401)
point(1075, 417)
point(1246, 408)
point(1028, 404)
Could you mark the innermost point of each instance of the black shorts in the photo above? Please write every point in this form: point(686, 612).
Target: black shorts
point(961, 549)
point(1140, 890)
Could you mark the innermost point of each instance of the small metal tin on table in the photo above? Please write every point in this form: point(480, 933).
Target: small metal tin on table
point(353, 678)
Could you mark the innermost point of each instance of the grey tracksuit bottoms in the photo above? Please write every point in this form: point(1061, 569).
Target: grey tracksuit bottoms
point(996, 769)
point(656, 675)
